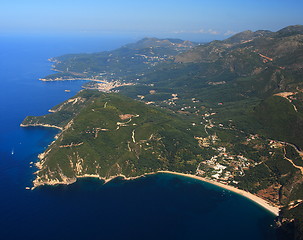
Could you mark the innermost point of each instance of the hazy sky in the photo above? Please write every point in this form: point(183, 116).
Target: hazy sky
point(195, 19)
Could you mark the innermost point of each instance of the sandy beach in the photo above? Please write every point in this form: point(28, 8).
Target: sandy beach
point(258, 200)
point(263, 203)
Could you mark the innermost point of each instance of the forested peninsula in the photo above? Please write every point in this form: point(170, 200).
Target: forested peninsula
point(229, 111)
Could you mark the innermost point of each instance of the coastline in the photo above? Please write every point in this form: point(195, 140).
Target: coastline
point(40, 125)
point(71, 79)
point(101, 85)
point(263, 203)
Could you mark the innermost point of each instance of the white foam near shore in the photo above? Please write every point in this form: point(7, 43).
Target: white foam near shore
point(273, 209)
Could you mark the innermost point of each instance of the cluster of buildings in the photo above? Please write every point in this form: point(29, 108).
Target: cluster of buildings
point(224, 166)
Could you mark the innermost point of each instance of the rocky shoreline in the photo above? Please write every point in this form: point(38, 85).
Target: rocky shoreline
point(41, 125)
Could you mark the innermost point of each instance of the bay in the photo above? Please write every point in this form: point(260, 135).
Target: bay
point(160, 206)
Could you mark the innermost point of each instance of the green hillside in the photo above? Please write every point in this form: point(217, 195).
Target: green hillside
point(113, 135)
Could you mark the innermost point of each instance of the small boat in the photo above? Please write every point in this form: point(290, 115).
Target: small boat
point(67, 90)
point(13, 152)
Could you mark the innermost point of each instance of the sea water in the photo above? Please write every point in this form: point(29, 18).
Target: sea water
point(160, 206)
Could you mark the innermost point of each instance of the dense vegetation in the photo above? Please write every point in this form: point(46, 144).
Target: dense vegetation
point(113, 135)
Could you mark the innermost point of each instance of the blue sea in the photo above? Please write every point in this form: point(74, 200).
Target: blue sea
point(159, 207)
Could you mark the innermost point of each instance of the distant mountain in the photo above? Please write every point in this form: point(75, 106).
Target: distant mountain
point(245, 36)
point(160, 43)
point(275, 47)
point(290, 30)
point(129, 60)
